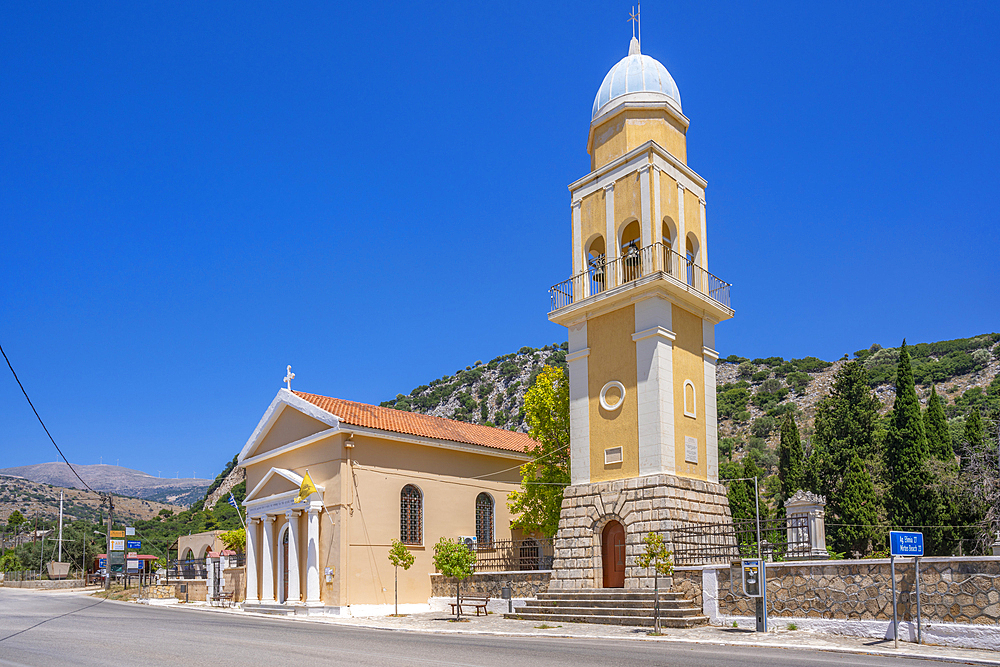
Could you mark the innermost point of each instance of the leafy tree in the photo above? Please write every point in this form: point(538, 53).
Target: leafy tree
point(536, 506)
point(790, 458)
point(454, 559)
point(936, 427)
point(400, 557)
point(911, 500)
point(858, 511)
point(9, 562)
point(657, 556)
point(235, 540)
point(15, 520)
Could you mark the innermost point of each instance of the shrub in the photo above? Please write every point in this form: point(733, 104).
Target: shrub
point(798, 381)
point(745, 370)
point(763, 426)
point(760, 376)
point(771, 386)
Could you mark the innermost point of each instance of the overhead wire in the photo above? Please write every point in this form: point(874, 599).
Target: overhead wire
point(18, 380)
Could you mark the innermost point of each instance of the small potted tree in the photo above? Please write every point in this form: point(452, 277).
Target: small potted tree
point(658, 557)
point(454, 559)
point(400, 557)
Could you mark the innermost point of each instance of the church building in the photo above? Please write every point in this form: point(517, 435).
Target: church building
point(641, 309)
point(380, 474)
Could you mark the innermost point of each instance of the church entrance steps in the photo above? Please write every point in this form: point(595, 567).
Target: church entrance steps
point(611, 607)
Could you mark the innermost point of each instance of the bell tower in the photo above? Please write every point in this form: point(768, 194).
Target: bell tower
point(641, 309)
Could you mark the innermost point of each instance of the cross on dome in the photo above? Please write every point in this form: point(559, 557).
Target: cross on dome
point(289, 376)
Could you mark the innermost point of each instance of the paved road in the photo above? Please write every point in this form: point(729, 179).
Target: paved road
point(41, 629)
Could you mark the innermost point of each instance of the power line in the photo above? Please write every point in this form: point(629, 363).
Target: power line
point(18, 380)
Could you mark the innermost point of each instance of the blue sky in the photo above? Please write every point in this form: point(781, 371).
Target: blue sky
point(194, 196)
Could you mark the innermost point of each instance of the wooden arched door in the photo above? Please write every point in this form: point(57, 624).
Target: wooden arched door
point(613, 555)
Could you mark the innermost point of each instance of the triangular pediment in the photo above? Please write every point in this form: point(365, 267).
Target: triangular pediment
point(288, 420)
point(277, 482)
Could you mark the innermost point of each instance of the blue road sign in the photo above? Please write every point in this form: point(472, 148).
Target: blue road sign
point(906, 544)
point(134, 544)
point(103, 562)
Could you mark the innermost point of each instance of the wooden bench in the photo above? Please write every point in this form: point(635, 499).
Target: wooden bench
point(223, 599)
point(478, 603)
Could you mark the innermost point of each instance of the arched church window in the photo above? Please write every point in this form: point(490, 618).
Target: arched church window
point(411, 518)
point(484, 518)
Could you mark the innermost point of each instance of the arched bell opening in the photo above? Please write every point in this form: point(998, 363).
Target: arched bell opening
point(595, 256)
point(630, 246)
point(668, 237)
point(691, 255)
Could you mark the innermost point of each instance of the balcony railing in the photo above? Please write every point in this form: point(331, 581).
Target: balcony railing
point(602, 275)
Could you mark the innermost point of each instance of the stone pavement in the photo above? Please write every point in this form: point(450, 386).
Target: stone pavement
point(495, 624)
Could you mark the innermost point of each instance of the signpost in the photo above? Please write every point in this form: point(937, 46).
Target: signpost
point(902, 543)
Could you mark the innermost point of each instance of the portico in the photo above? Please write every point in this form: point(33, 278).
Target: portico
point(279, 565)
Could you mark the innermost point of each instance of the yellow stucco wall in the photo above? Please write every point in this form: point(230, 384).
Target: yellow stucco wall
point(688, 365)
point(592, 211)
point(291, 425)
point(612, 357)
point(628, 129)
point(627, 203)
point(692, 218)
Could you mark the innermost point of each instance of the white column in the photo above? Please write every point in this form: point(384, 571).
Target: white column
point(710, 357)
point(657, 216)
point(294, 594)
point(312, 557)
point(610, 238)
point(267, 562)
point(252, 592)
point(579, 405)
point(644, 207)
point(681, 232)
point(704, 238)
point(579, 261)
point(654, 345)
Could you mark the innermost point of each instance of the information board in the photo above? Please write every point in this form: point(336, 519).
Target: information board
point(129, 531)
point(133, 544)
point(906, 544)
point(117, 533)
point(118, 545)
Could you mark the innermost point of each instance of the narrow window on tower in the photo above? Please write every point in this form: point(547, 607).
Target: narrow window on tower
point(690, 400)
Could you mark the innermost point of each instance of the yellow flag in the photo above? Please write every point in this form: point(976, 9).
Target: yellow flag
point(307, 488)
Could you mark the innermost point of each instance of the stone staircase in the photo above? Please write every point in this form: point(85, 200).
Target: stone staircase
point(611, 606)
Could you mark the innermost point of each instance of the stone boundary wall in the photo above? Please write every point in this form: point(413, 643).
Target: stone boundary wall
point(962, 590)
point(526, 584)
point(197, 590)
point(46, 584)
point(235, 582)
point(656, 503)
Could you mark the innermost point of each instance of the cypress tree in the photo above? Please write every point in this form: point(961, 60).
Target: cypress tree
point(859, 512)
point(936, 426)
point(911, 500)
point(974, 436)
point(790, 458)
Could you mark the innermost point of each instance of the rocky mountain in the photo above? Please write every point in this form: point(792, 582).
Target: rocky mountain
point(752, 394)
point(114, 479)
point(36, 498)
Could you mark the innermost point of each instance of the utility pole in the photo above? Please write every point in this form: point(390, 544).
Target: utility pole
point(111, 512)
point(59, 559)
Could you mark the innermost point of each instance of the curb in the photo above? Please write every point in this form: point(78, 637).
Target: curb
point(674, 640)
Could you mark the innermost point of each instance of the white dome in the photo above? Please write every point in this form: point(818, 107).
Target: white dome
point(637, 75)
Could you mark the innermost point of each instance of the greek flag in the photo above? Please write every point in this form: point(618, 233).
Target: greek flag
point(232, 501)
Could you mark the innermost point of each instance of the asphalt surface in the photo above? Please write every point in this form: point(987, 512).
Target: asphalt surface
point(40, 629)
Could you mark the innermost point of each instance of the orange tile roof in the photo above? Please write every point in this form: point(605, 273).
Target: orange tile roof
point(413, 423)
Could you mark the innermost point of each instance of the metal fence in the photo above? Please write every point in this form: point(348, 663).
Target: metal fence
point(655, 259)
point(514, 555)
point(187, 569)
point(781, 539)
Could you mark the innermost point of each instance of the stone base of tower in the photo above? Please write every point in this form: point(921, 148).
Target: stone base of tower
point(657, 503)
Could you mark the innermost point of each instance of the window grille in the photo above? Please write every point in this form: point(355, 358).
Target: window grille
point(484, 518)
point(410, 515)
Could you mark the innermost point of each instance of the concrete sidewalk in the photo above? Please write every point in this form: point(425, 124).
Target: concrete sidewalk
point(495, 624)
